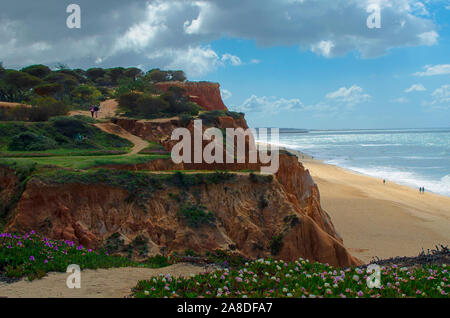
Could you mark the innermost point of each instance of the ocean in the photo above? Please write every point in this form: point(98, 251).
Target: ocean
point(412, 157)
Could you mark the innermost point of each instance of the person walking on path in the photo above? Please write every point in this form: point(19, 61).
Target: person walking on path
point(92, 111)
point(96, 109)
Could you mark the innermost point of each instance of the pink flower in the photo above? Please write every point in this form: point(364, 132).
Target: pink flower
point(31, 258)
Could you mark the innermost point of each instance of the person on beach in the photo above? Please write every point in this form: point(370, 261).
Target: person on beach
point(92, 111)
point(384, 181)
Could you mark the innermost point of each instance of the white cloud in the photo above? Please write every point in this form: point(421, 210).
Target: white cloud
point(255, 104)
point(415, 88)
point(255, 61)
point(138, 30)
point(195, 61)
point(226, 94)
point(429, 38)
point(431, 70)
point(440, 98)
point(341, 100)
point(323, 48)
point(349, 96)
point(233, 59)
point(400, 100)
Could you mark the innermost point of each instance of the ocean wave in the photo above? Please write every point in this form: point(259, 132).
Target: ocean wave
point(412, 179)
point(379, 145)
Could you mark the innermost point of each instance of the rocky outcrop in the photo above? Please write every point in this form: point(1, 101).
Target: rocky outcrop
point(205, 94)
point(249, 214)
point(302, 190)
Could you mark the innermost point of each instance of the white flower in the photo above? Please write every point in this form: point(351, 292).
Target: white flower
point(146, 292)
point(355, 278)
point(289, 295)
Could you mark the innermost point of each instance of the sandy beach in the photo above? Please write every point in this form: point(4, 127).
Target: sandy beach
point(376, 219)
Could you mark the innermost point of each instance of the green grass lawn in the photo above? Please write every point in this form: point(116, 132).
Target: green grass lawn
point(81, 162)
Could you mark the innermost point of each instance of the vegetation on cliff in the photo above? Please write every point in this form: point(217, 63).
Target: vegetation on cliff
point(45, 93)
point(59, 136)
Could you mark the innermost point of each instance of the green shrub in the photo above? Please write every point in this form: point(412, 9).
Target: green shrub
point(212, 117)
point(255, 178)
point(71, 127)
point(276, 243)
point(28, 141)
point(196, 215)
point(150, 105)
point(158, 261)
point(46, 107)
point(129, 101)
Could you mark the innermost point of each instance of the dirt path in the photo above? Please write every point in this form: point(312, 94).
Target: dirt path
point(110, 283)
point(139, 143)
point(108, 109)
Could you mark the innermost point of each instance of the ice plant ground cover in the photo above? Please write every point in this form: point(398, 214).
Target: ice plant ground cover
point(269, 278)
point(32, 256)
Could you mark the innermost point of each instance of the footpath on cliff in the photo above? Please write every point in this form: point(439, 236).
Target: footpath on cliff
point(108, 109)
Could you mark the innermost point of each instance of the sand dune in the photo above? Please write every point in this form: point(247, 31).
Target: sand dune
point(380, 220)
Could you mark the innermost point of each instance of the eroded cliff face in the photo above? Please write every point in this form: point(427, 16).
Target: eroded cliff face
point(205, 94)
point(248, 215)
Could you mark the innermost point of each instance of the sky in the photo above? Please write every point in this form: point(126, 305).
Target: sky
point(311, 64)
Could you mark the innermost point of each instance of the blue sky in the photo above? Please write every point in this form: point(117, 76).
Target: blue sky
point(286, 72)
point(285, 63)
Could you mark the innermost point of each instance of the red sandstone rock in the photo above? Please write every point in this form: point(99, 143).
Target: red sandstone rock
point(96, 212)
point(205, 94)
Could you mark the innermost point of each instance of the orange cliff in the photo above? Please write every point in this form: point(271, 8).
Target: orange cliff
point(248, 214)
point(205, 94)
